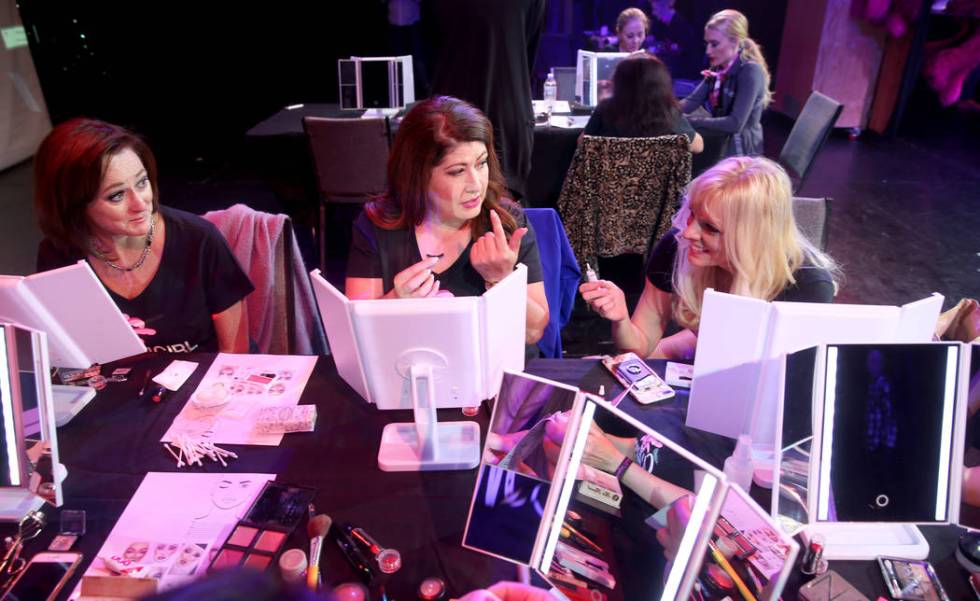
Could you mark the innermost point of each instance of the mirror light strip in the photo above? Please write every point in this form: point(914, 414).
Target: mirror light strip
point(949, 401)
point(827, 436)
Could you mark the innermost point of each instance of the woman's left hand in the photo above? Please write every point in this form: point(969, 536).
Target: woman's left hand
point(493, 255)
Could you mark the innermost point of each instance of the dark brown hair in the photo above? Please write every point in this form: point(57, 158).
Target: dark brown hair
point(68, 171)
point(427, 133)
point(643, 102)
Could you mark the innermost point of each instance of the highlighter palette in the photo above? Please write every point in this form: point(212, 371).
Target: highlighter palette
point(258, 538)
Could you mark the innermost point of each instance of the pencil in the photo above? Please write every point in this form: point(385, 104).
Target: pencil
point(146, 380)
point(723, 563)
point(582, 537)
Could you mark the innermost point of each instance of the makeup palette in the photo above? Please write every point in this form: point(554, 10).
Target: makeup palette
point(259, 537)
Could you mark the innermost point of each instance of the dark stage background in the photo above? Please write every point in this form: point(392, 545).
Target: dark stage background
point(194, 76)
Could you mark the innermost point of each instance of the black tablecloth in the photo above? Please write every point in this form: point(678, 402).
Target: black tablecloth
point(114, 441)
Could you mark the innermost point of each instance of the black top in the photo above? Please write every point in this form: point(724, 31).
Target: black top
point(197, 278)
point(483, 52)
point(601, 124)
point(813, 284)
point(380, 253)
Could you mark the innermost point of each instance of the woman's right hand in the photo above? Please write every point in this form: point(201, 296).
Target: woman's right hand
point(600, 452)
point(417, 281)
point(606, 299)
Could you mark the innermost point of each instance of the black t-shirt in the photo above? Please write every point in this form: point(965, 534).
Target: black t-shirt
point(813, 284)
point(601, 124)
point(380, 253)
point(197, 278)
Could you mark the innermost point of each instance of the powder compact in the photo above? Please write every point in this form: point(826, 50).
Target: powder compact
point(257, 539)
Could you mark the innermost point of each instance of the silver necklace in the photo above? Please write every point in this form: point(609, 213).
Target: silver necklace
point(139, 262)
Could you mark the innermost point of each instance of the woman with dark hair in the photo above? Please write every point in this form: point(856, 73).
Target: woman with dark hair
point(444, 225)
point(95, 197)
point(642, 104)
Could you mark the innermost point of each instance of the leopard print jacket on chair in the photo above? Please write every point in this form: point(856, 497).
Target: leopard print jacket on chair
point(620, 194)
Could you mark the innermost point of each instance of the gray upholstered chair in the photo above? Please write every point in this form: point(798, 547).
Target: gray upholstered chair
point(808, 135)
point(812, 216)
point(565, 77)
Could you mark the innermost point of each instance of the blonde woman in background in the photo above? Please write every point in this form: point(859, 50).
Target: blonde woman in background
point(735, 233)
point(632, 26)
point(735, 88)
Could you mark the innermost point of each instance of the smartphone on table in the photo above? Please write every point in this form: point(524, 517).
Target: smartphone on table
point(643, 383)
point(43, 577)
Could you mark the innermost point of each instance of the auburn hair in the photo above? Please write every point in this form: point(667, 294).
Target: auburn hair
point(431, 130)
point(68, 170)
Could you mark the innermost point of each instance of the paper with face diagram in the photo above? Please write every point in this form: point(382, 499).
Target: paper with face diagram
point(173, 525)
point(225, 406)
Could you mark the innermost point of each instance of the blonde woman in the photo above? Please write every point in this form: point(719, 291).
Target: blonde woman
point(734, 233)
point(735, 88)
point(632, 27)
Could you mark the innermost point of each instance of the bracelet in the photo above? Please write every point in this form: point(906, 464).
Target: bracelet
point(623, 466)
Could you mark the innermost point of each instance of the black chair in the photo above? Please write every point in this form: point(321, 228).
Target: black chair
point(715, 145)
point(349, 159)
point(808, 135)
point(812, 216)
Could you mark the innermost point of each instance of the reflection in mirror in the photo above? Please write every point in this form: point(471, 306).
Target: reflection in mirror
point(522, 450)
point(886, 439)
point(615, 538)
point(528, 425)
point(970, 499)
point(506, 513)
point(28, 385)
point(796, 436)
point(13, 470)
point(748, 557)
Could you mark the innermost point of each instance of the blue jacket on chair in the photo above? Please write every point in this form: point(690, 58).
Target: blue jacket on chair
point(561, 275)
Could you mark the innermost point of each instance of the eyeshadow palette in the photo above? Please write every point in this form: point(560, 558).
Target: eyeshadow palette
point(259, 537)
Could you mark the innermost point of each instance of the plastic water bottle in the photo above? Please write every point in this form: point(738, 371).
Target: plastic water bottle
point(550, 92)
point(738, 467)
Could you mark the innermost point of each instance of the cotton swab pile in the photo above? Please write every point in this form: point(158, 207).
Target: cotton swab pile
point(190, 451)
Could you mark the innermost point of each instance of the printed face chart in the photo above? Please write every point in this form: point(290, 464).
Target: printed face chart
point(174, 523)
point(770, 545)
point(224, 406)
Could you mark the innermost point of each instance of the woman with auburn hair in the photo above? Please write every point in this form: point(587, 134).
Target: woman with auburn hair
point(642, 104)
point(735, 233)
point(171, 272)
point(444, 225)
point(735, 88)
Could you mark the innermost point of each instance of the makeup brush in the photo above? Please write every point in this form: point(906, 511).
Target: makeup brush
point(316, 529)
